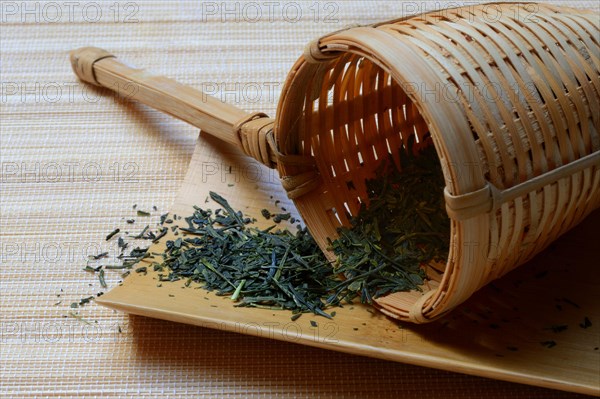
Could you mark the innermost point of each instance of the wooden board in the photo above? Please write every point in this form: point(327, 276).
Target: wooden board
point(512, 330)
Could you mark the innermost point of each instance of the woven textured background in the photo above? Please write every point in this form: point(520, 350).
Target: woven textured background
point(75, 159)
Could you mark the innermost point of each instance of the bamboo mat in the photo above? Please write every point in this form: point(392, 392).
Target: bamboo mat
point(75, 160)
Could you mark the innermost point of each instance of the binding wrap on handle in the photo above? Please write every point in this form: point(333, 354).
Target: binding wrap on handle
point(83, 60)
point(257, 140)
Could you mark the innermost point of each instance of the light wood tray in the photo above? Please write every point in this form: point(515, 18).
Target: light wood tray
point(496, 334)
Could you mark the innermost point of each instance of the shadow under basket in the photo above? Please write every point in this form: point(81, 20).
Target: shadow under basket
point(508, 93)
point(509, 96)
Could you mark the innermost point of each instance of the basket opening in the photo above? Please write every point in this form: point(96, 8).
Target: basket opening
point(357, 117)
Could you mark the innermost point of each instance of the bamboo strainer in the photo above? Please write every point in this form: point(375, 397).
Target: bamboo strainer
point(509, 95)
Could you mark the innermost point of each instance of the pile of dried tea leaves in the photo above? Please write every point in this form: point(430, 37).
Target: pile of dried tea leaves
point(404, 228)
point(259, 268)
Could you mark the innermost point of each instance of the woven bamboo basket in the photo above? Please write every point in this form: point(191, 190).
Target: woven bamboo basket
point(509, 95)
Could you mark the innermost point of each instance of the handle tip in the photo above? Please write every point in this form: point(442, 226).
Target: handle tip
point(82, 62)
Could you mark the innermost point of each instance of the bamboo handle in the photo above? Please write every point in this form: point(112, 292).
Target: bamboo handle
point(99, 67)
